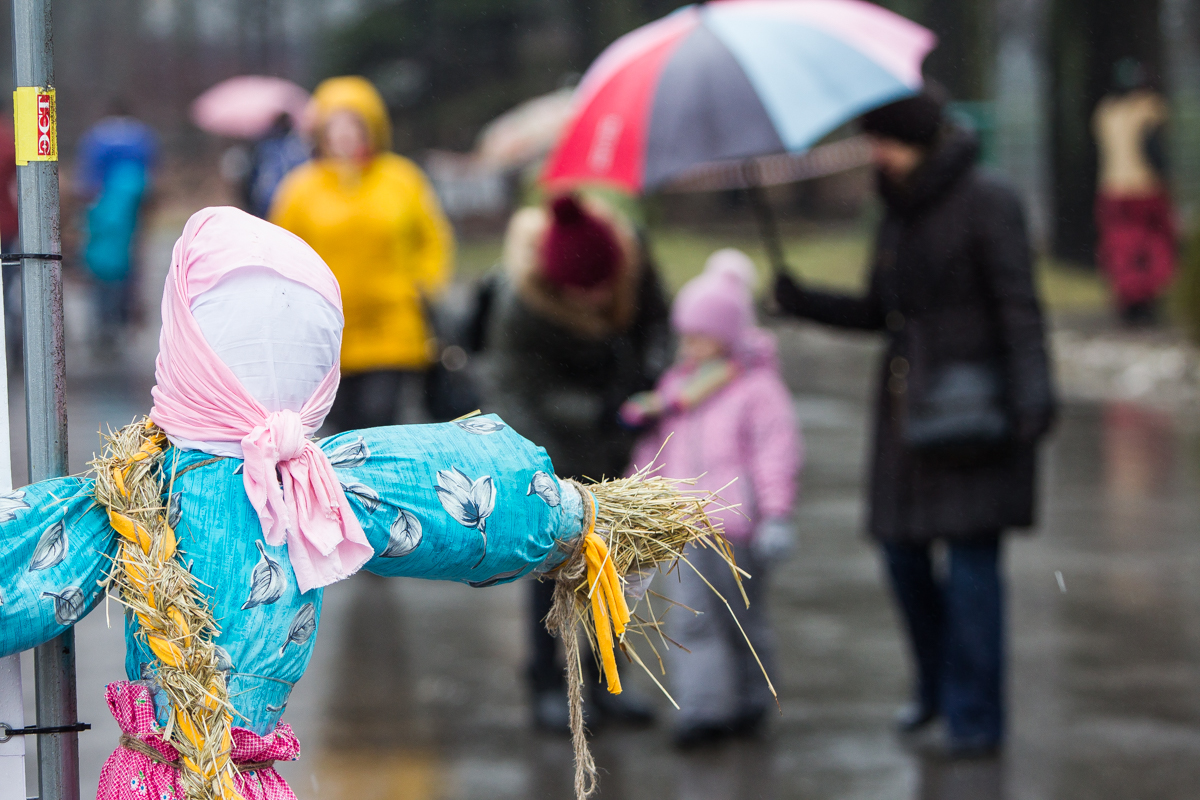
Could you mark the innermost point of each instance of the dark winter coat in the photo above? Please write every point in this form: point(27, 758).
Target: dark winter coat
point(951, 282)
point(557, 373)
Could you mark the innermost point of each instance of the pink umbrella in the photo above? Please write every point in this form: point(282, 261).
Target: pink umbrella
point(244, 107)
point(525, 133)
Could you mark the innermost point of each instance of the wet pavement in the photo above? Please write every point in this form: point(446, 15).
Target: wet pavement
point(415, 691)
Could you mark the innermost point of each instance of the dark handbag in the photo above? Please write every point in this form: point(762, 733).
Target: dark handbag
point(962, 411)
point(451, 390)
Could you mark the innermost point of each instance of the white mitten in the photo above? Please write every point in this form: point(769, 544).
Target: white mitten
point(636, 584)
point(774, 540)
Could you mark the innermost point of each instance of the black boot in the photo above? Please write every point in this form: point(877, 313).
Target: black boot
point(915, 716)
point(627, 708)
point(694, 737)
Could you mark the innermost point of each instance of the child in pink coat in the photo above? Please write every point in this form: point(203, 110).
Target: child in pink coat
point(723, 413)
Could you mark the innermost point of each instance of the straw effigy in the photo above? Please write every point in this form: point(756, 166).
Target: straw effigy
point(634, 526)
point(177, 625)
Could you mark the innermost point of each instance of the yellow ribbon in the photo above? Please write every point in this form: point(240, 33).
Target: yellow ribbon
point(609, 611)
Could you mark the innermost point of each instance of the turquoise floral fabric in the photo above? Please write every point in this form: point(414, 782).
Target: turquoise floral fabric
point(469, 501)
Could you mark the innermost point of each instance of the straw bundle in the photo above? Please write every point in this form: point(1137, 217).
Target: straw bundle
point(635, 525)
point(175, 621)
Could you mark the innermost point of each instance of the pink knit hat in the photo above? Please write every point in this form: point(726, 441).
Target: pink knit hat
point(719, 302)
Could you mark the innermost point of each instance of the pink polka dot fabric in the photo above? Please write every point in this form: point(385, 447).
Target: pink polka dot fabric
point(129, 775)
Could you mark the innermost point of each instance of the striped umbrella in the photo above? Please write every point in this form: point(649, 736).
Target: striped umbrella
point(732, 79)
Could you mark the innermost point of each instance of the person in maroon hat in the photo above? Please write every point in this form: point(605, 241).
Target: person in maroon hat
point(580, 251)
point(578, 324)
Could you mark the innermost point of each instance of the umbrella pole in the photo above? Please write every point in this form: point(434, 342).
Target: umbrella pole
point(767, 226)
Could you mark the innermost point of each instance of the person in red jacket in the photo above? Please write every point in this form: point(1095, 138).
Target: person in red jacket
point(9, 237)
point(1135, 220)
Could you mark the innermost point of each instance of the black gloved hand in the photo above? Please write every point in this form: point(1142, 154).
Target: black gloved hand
point(789, 295)
point(1029, 427)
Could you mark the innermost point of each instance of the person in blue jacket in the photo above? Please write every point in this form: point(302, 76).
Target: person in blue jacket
point(116, 161)
point(277, 153)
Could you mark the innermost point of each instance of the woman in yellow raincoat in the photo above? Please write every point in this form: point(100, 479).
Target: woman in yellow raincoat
point(374, 219)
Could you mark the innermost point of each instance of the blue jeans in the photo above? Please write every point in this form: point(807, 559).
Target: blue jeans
point(955, 625)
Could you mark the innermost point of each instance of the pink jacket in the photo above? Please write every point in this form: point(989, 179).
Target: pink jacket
point(746, 430)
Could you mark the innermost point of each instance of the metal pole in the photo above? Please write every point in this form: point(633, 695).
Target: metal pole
point(45, 373)
point(765, 217)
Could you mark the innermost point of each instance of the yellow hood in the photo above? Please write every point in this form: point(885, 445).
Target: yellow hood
point(357, 94)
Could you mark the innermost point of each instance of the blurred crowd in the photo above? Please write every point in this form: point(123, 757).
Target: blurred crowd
point(584, 340)
point(573, 340)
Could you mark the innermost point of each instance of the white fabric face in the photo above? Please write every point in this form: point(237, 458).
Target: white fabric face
point(279, 337)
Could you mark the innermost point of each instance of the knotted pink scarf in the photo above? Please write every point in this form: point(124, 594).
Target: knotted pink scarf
point(288, 479)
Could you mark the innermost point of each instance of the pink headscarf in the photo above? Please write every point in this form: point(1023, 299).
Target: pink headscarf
point(199, 398)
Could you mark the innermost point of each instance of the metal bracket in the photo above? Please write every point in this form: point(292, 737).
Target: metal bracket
point(17, 258)
point(7, 731)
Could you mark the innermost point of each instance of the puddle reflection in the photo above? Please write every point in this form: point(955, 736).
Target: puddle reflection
point(372, 704)
point(1139, 449)
point(975, 779)
point(375, 746)
point(742, 770)
point(385, 775)
point(423, 697)
point(1139, 446)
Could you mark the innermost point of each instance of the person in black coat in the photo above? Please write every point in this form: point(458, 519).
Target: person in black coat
point(964, 396)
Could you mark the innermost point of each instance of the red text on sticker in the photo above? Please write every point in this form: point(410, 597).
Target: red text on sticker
point(43, 106)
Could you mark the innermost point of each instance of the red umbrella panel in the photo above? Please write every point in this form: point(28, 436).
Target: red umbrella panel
point(732, 79)
point(612, 119)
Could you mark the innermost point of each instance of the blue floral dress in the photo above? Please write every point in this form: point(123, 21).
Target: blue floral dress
point(468, 501)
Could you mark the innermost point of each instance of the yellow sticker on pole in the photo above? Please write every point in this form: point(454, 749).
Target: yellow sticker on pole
point(35, 124)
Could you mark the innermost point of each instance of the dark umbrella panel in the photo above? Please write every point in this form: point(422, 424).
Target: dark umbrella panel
point(732, 79)
point(706, 110)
